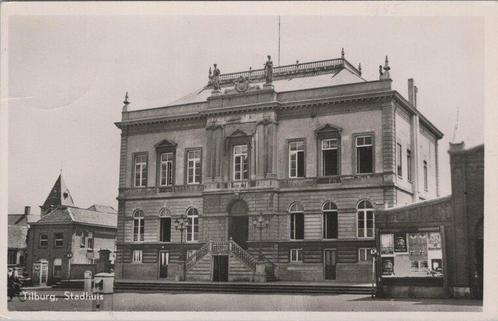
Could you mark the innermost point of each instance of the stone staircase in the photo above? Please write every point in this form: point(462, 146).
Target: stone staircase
point(242, 265)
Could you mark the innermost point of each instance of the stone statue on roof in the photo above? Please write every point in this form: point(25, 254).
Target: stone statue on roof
point(269, 71)
point(214, 77)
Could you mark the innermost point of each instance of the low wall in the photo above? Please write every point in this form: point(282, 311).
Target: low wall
point(354, 272)
point(411, 287)
point(142, 271)
point(78, 270)
point(299, 272)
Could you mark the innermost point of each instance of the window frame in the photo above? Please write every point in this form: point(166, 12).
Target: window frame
point(172, 168)
point(247, 162)
point(54, 270)
point(164, 213)
point(426, 175)
point(140, 227)
point(409, 165)
point(292, 221)
point(399, 160)
point(364, 212)
point(145, 168)
point(367, 254)
point(192, 219)
point(355, 152)
point(45, 238)
point(325, 212)
point(12, 254)
point(57, 239)
point(299, 254)
point(186, 176)
point(137, 256)
point(289, 142)
point(322, 158)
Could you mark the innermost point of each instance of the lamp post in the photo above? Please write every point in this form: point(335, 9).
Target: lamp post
point(374, 253)
point(181, 224)
point(260, 222)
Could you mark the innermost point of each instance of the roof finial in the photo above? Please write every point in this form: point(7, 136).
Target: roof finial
point(126, 103)
point(359, 68)
point(385, 74)
point(342, 53)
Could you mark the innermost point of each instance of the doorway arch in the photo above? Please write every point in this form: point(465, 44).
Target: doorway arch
point(238, 220)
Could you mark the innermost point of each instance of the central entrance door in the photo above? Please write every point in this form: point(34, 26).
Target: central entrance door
point(329, 262)
point(239, 223)
point(220, 268)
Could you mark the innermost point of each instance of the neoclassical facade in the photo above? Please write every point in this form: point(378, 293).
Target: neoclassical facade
point(284, 165)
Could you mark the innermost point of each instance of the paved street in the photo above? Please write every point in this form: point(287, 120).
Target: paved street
point(244, 302)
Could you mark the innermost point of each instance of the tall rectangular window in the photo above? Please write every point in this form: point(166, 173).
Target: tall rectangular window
point(166, 169)
point(330, 224)
point(426, 183)
point(365, 221)
point(165, 233)
point(330, 157)
point(140, 165)
point(409, 164)
point(364, 154)
point(296, 159)
point(43, 240)
point(297, 226)
point(194, 166)
point(58, 239)
point(12, 257)
point(399, 160)
point(240, 163)
point(136, 256)
point(138, 226)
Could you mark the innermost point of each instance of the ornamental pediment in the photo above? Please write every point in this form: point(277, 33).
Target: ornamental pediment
point(329, 130)
point(165, 144)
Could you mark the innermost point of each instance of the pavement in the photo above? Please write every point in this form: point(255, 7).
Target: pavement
point(60, 300)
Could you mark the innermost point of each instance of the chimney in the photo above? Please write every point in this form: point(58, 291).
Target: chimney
point(27, 210)
point(412, 92)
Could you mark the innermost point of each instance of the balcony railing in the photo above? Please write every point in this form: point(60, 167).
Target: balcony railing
point(146, 191)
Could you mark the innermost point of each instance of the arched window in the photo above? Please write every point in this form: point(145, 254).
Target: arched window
point(165, 225)
point(329, 210)
point(366, 221)
point(138, 225)
point(193, 224)
point(296, 211)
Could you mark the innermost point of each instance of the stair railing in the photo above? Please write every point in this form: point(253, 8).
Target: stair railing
point(198, 255)
point(242, 255)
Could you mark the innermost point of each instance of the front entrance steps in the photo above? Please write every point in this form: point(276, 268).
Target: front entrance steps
point(325, 287)
point(242, 266)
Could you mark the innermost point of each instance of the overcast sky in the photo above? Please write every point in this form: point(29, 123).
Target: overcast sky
point(68, 76)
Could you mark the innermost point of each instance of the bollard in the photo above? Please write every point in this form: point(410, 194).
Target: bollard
point(87, 282)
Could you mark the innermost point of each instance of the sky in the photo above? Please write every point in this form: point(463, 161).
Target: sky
point(67, 76)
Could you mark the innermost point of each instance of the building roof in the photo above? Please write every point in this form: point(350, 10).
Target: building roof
point(421, 204)
point(59, 195)
point(71, 214)
point(22, 219)
point(102, 208)
point(17, 236)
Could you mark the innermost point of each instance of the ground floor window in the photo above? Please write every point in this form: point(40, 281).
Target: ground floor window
point(364, 255)
point(411, 254)
point(296, 255)
point(136, 256)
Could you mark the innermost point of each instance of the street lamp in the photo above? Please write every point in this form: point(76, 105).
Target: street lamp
point(181, 224)
point(260, 222)
point(374, 253)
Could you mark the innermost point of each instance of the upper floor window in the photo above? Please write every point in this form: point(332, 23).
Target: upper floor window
point(43, 240)
point(59, 239)
point(399, 160)
point(366, 224)
point(426, 178)
point(165, 225)
point(166, 169)
point(409, 165)
point(193, 224)
point(140, 165)
point(296, 211)
point(330, 157)
point(329, 220)
point(194, 166)
point(240, 162)
point(296, 159)
point(138, 226)
point(364, 154)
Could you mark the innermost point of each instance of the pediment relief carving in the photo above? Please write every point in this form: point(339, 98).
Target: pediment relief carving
point(165, 144)
point(328, 130)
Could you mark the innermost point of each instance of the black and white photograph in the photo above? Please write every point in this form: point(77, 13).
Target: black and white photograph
point(246, 157)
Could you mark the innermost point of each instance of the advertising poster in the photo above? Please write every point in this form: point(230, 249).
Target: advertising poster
point(387, 265)
point(400, 243)
point(386, 244)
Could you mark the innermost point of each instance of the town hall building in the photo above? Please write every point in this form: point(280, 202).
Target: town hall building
point(283, 166)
